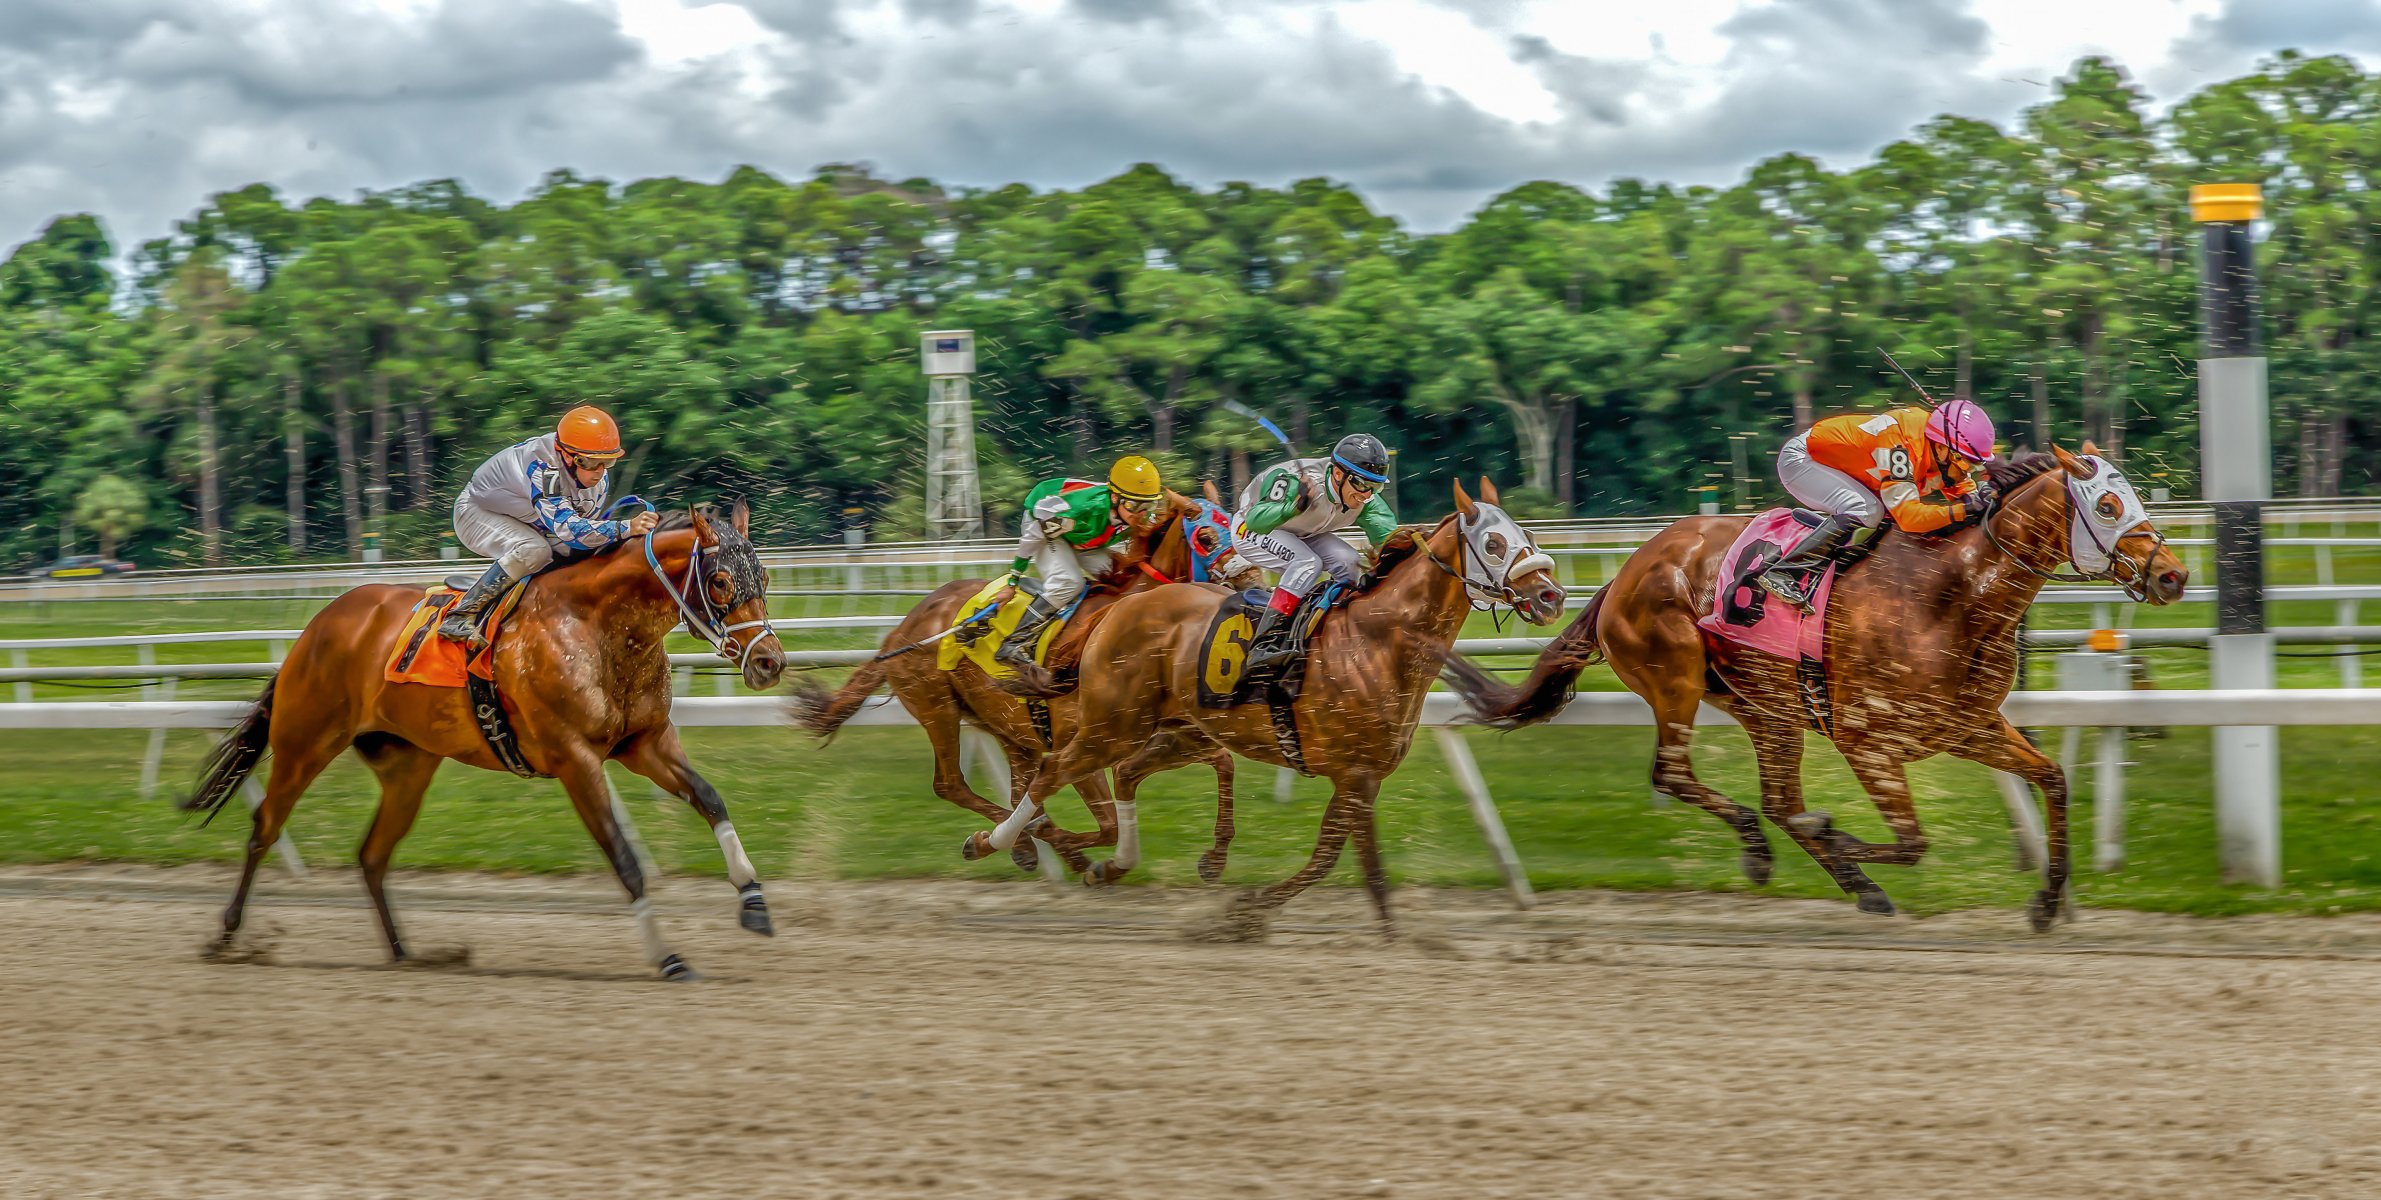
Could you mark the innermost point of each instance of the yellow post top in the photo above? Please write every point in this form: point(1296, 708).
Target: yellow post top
point(2226, 202)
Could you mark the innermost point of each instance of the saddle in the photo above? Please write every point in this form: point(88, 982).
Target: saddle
point(425, 658)
point(1746, 614)
point(1224, 678)
point(1805, 578)
point(982, 628)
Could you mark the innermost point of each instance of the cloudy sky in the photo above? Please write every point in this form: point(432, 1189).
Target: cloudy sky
point(137, 109)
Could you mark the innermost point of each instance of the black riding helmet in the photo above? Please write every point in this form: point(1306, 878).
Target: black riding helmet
point(1362, 455)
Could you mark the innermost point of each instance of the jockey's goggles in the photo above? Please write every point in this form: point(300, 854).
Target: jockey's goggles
point(1136, 504)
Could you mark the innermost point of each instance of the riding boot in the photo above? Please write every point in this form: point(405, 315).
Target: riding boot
point(461, 624)
point(1827, 537)
point(1272, 645)
point(1019, 646)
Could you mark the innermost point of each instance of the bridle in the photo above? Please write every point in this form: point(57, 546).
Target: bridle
point(1203, 565)
point(2135, 582)
point(705, 622)
point(1484, 595)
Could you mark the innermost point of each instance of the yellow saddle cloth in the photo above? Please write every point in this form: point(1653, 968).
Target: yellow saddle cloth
point(949, 652)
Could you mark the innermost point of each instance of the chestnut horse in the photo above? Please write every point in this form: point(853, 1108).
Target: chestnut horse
point(1921, 647)
point(941, 700)
point(584, 678)
point(1368, 669)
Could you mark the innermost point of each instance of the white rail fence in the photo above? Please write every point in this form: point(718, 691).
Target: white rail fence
point(1442, 714)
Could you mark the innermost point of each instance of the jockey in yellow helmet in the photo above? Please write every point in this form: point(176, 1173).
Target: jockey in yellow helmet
point(1073, 530)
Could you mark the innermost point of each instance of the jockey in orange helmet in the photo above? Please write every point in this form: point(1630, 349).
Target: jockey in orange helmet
point(1856, 470)
point(529, 501)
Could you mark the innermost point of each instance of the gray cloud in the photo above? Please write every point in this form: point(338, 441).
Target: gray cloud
point(138, 109)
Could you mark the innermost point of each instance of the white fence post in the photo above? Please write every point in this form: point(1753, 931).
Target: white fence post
point(1468, 779)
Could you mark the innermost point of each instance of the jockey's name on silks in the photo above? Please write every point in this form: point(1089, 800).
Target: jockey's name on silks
point(1270, 503)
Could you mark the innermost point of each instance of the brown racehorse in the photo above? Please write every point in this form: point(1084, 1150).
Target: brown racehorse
point(585, 679)
point(1921, 646)
point(941, 700)
point(1368, 669)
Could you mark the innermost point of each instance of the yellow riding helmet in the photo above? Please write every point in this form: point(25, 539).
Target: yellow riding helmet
point(1134, 478)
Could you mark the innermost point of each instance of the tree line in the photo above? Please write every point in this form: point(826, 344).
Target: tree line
point(276, 380)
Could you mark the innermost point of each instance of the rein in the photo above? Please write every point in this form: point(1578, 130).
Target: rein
point(706, 623)
point(2136, 586)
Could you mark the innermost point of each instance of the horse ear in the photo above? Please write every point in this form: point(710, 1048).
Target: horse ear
point(742, 516)
point(702, 525)
point(1207, 489)
point(1488, 491)
point(1463, 502)
point(2071, 464)
point(2089, 448)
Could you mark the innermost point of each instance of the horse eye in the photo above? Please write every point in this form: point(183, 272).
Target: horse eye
point(2109, 508)
point(1496, 545)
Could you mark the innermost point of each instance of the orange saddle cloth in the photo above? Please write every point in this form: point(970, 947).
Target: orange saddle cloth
point(421, 656)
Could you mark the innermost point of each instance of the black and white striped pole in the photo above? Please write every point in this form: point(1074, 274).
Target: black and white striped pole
point(2236, 477)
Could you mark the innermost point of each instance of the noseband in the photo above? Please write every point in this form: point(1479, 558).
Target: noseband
point(705, 622)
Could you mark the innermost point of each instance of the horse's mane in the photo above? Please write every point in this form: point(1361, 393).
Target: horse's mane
point(1402, 545)
point(2007, 474)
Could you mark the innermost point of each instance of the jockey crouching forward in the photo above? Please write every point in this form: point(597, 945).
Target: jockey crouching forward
point(1289, 521)
point(1856, 470)
point(532, 500)
point(1073, 530)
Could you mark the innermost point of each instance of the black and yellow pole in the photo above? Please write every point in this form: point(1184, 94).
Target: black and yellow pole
point(2236, 478)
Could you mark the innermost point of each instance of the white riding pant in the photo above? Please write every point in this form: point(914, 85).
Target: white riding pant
point(1064, 570)
point(516, 543)
point(1823, 488)
point(1301, 561)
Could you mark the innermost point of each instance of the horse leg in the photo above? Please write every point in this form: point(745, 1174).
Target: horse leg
point(1777, 745)
point(1351, 805)
point(294, 768)
point(1674, 776)
point(1888, 786)
point(1099, 799)
point(1163, 752)
point(404, 770)
point(1376, 874)
point(1022, 761)
point(658, 755)
point(2006, 749)
point(590, 795)
point(1085, 751)
point(1211, 864)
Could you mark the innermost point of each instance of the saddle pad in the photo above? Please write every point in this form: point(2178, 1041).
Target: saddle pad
point(1223, 651)
point(949, 652)
point(421, 656)
point(1746, 614)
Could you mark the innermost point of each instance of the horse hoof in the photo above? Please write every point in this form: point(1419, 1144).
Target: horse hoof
point(674, 969)
point(397, 954)
point(1028, 859)
point(2042, 911)
point(1211, 866)
point(976, 846)
point(1757, 866)
point(1102, 874)
point(755, 915)
point(1876, 902)
point(1814, 823)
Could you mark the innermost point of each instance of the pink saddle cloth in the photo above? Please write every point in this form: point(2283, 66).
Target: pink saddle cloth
point(1743, 613)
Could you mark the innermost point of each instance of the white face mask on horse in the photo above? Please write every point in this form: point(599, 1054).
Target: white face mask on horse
point(2106, 509)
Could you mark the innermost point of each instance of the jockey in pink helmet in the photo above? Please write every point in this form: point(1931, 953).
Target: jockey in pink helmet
point(1856, 470)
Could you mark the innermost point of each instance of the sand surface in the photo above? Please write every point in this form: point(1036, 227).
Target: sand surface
point(1020, 1040)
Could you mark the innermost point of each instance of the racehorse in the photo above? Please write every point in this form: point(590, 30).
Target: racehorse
point(1920, 646)
point(584, 679)
point(941, 700)
point(1367, 670)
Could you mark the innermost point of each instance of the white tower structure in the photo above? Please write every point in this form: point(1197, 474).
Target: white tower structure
point(954, 503)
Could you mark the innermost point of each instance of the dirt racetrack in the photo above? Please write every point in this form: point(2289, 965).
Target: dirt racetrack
point(964, 1040)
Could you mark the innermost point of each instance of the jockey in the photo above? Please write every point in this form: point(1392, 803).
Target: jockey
point(531, 500)
point(1856, 470)
point(1073, 529)
point(1288, 522)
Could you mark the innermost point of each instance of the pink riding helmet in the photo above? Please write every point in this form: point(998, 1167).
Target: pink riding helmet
point(1963, 427)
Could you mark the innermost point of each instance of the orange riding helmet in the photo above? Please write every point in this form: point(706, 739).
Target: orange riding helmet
point(588, 432)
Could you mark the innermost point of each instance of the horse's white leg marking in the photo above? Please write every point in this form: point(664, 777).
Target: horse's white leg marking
point(1004, 835)
point(1128, 836)
point(649, 929)
point(740, 870)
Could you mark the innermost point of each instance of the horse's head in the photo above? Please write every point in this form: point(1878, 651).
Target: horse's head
point(730, 592)
point(2110, 535)
point(1501, 564)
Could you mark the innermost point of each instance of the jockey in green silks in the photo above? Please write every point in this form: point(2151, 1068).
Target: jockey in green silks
point(1289, 522)
point(1073, 531)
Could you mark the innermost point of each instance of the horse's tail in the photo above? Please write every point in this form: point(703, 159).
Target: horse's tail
point(822, 713)
point(1549, 684)
point(234, 758)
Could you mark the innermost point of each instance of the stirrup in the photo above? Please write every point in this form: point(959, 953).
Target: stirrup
point(1784, 588)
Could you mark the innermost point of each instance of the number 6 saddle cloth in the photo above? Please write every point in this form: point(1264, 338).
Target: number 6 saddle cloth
point(1224, 680)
